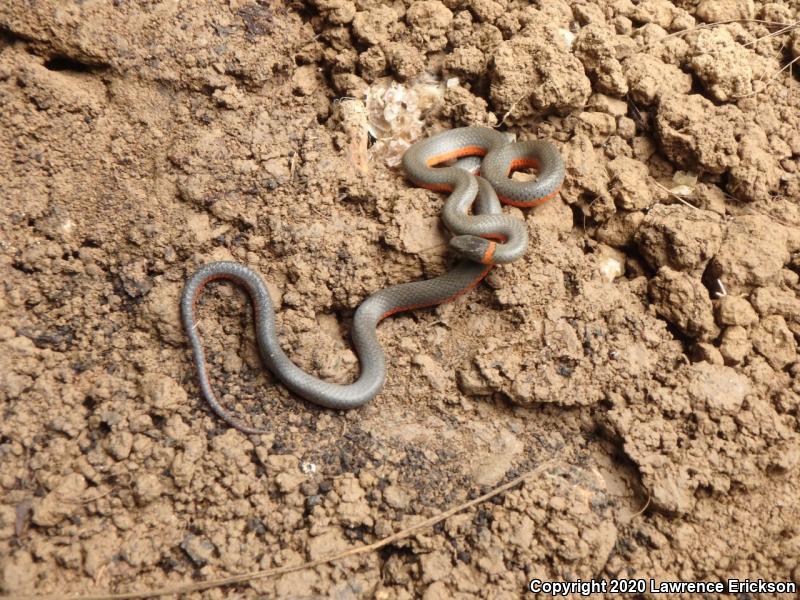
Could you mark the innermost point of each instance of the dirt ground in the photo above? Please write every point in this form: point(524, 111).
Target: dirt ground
point(644, 350)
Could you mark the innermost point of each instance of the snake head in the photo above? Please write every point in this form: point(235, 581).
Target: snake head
point(474, 248)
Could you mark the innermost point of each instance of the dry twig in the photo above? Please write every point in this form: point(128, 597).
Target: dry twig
point(673, 194)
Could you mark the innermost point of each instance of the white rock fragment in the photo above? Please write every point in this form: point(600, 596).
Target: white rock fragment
point(395, 111)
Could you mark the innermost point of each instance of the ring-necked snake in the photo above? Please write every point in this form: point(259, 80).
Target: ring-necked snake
point(484, 238)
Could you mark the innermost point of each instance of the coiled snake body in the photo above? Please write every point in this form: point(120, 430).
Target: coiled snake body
point(483, 239)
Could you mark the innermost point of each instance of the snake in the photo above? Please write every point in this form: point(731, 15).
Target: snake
point(482, 238)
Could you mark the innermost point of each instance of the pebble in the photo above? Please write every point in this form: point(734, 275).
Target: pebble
point(735, 310)
point(735, 344)
point(198, 549)
point(396, 497)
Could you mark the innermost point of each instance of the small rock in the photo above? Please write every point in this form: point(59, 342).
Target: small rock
point(431, 15)
point(314, 500)
point(703, 351)
point(658, 12)
point(288, 481)
point(276, 463)
point(404, 60)
point(586, 176)
point(435, 566)
point(349, 85)
point(162, 310)
point(396, 497)
point(612, 106)
point(176, 429)
point(468, 62)
point(486, 11)
point(306, 80)
point(626, 128)
point(198, 549)
point(673, 491)
point(349, 489)
point(232, 361)
point(735, 310)
point(234, 449)
point(372, 63)
point(586, 14)
point(471, 383)
point(629, 183)
point(710, 197)
point(135, 279)
point(353, 509)
point(735, 344)
point(623, 25)
point(351, 117)
point(610, 262)
point(122, 521)
point(597, 125)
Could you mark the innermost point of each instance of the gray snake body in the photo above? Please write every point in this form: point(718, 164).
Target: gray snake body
point(483, 239)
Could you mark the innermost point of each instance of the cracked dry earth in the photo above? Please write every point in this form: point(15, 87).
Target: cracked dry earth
point(646, 345)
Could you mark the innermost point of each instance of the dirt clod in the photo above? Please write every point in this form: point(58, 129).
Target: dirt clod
point(772, 338)
point(532, 76)
point(696, 134)
point(735, 310)
point(679, 237)
point(683, 301)
point(751, 254)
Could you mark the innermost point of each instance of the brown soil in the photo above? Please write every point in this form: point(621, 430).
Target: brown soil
point(140, 140)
